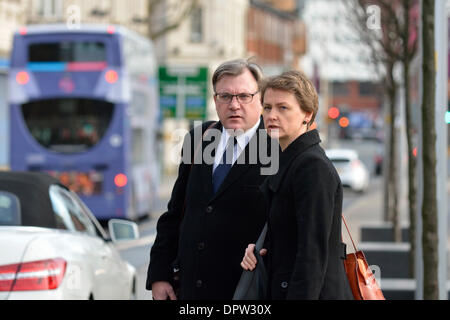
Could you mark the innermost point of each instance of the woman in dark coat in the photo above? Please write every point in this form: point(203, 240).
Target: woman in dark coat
point(304, 248)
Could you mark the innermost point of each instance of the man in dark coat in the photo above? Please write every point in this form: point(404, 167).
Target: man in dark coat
point(214, 213)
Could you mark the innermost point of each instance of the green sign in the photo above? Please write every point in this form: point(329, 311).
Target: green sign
point(183, 92)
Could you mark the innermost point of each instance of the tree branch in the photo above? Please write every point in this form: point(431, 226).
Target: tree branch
point(168, 22)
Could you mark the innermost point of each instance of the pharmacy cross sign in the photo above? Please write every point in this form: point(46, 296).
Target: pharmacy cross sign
point(183, 92)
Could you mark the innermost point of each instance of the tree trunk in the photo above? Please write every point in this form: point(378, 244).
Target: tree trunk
point(429, 205)
point(412, 187)
point(392, 174)
point(385, 168)
point(411, 171)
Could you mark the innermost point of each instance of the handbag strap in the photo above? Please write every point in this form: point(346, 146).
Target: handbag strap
point(346, 227)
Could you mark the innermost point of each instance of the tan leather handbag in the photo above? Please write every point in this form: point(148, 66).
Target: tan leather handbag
point(361, 279)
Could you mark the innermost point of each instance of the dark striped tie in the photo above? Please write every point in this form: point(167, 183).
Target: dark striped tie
point(225, 165)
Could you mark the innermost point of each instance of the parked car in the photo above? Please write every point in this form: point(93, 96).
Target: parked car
point(52, 246)
point(351, 170)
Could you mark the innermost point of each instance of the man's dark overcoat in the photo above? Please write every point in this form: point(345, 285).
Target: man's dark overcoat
point(209, 240)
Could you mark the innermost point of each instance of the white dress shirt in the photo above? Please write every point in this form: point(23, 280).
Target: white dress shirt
point(241, 142)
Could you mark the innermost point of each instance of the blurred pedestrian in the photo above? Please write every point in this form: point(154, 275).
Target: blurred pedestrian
point(216, 208)
point(304, 249)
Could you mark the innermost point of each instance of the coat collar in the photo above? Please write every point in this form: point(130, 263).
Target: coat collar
point(296, 148)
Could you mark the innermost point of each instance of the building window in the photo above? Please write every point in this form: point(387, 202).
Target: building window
point(367, 88)
point(50, 8)
point(340, 88)
point(196, 35)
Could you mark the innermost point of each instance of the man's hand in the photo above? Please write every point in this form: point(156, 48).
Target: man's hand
point(161, 290)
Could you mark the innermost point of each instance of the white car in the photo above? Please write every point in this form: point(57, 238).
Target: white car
point(351, 170)
point(52, 247)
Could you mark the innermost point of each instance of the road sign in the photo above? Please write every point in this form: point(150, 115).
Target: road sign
point(183, 92)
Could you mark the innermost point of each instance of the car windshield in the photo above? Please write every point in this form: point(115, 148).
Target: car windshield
point(340, 162)
point(9, 209)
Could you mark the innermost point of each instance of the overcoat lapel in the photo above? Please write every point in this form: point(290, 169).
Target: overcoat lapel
point(206, 167)
point(242, 163)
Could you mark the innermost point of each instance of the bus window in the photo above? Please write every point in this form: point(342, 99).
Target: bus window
point(68, 125)
point(66, 51)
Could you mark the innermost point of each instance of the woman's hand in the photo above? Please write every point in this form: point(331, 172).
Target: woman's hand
point(249, 261)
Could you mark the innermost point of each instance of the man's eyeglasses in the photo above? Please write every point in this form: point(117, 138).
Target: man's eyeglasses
point(243, 98)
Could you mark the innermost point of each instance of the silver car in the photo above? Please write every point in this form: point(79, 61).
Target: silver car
point(351, 169)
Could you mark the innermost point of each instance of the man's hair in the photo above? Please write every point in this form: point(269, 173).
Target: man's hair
point(236, 68)
point(300, 86)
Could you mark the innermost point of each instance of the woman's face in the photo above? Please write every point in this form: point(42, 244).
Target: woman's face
point(283, 117)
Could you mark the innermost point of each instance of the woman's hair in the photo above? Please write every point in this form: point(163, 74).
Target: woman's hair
point(236, 68)
point(300, 86)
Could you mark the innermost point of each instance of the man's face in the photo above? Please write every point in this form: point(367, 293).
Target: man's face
point(235, 114)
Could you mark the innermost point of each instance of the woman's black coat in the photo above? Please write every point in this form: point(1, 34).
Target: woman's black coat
point(305, 251)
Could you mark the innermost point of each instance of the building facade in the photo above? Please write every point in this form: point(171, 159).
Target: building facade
point(275, 35)
point(339, 63)
point(334, 44)
point(213, 33)
point(129, 14)
point(12, 15)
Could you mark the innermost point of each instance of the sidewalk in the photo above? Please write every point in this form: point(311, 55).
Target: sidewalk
point(368, 210)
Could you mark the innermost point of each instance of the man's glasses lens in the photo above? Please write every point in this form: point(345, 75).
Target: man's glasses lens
point(242, 97)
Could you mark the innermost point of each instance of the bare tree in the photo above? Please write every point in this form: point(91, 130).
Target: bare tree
point(429, 204)
point(385, 45)
point(167, 15)
point(409, 49)
point(397, 43)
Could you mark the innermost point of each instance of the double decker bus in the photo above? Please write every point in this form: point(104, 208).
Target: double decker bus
point(84, 108)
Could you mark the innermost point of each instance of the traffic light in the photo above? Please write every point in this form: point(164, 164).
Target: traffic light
point(333, 113)
point(344, 122)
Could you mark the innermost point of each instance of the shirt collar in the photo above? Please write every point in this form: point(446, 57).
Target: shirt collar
point(243, 139)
